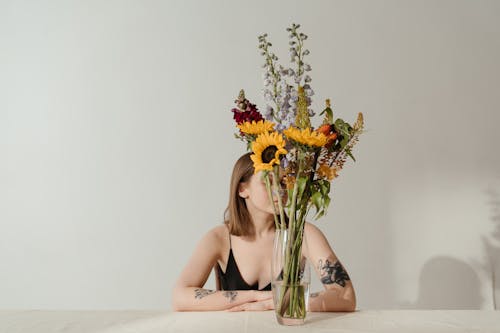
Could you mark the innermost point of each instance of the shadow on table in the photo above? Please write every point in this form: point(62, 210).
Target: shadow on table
point(448, 283)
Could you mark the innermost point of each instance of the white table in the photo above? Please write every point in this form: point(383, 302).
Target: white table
point(428, 321)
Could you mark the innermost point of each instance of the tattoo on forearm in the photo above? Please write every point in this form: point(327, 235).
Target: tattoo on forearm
point(312, 295)
point(200, 293)
point(332, 273)
point(231, 294)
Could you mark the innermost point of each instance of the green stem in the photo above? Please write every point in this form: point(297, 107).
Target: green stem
point(291, 298)
point(270, 195)
point(278, 193)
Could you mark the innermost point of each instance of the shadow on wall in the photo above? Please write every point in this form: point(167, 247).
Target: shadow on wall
point(447, 283)
point(491, 245)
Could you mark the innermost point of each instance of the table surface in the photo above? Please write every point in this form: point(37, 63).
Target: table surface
point(428, 321)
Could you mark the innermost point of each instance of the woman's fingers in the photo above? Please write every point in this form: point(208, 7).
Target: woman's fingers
point(254, 306)
point(268, 304)
point(235, 308)
point(263, 300)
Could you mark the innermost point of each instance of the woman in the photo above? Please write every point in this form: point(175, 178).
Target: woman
point(240, 252)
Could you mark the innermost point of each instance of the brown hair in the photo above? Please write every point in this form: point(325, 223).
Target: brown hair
point(236, 215)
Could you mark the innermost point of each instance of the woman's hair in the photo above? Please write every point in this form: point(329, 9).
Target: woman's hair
point(236, 216)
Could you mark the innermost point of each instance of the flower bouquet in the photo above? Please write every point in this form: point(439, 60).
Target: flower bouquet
point(298, 161)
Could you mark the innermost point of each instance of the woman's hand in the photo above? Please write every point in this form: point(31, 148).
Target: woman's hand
point(263, 295)
point(265, 305)
point(263, 301)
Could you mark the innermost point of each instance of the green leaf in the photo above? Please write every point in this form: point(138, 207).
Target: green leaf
point(320, 198)
point(301, 182)
point(327, 203)
point(316, 199)
point(319, 214)
point(329, 114)
point(342, 127)
point(325, 187)
point(348, 152)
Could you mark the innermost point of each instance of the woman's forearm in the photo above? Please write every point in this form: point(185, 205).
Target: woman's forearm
point(331, 300)
point(199, 299)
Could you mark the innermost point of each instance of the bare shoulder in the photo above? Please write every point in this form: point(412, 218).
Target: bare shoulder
point(317, 244)
point(313, 233)
point(216, 234)
point(215, 239)
point(218, 231)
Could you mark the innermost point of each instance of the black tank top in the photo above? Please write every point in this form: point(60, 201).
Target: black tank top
point(231, 279)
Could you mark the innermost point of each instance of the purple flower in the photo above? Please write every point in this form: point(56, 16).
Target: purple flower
point(268, 113)
point(268, 95)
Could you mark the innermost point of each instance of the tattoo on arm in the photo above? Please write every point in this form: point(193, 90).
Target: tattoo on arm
point(231, 294)
point(332, 273)
point(312, 295)
point(200, 293)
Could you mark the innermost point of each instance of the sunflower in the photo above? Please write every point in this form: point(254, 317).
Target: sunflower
point(267, 149)
point(306, 136)
point(256, 127)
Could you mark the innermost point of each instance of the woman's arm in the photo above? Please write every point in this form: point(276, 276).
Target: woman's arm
point(339, 293)
point(199, 299)
point(188, 294)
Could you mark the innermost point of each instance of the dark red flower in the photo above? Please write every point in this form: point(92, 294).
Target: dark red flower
point(245, 110)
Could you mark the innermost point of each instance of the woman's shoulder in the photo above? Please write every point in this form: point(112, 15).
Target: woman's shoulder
point(317, 243)
point(313, 233)
point(216, 235)
point(214, 241)
point(310, 228)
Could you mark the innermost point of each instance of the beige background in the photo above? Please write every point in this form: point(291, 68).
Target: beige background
point(116, 143)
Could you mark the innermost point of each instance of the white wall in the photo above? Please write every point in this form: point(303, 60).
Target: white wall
point(116, 143)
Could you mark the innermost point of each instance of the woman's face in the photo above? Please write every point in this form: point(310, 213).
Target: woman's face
point(255, 193)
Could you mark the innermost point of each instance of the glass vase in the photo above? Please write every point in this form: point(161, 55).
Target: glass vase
point(290, 278)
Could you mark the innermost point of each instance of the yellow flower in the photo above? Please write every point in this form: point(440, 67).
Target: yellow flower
point(302, 119)
point(256, 128)
point(267, 149)
point(326, 172)
point(306, 136)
